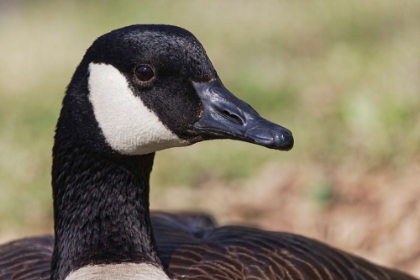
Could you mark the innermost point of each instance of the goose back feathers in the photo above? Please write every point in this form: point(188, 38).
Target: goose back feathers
point(193, 247)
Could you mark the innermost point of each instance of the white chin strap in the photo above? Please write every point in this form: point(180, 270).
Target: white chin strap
point(128, 125)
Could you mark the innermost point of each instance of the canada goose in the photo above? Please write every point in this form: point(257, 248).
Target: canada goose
point(138, 90)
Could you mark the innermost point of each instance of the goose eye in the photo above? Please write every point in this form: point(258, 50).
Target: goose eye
point(144, 73)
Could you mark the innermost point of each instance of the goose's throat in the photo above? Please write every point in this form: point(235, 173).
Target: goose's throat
point(101, 210)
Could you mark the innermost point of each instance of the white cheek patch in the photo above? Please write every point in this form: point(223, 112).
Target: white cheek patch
point(126, 271)
point(127, 124)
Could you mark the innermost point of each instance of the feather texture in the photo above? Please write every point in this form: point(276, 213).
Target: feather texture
point(192, 247)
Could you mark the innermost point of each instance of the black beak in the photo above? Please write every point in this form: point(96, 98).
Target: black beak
point(227, 117)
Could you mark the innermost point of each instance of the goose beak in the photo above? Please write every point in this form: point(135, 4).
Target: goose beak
point(225, 116)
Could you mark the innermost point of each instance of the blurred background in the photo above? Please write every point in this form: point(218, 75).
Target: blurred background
point(343, 76)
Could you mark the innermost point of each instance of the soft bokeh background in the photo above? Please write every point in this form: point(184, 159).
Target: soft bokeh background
point(344, 76)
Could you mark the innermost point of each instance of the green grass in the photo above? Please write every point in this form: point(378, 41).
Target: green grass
point(343, 76)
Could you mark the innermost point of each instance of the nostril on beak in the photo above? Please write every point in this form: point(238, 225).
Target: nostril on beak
point(233, 117)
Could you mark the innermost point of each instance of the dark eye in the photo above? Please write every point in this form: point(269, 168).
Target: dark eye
point(144, 73)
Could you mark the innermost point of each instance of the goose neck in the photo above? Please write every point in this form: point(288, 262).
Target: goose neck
point(101, 209)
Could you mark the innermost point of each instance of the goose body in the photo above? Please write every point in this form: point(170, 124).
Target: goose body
point(193, 247)
point(138, 90)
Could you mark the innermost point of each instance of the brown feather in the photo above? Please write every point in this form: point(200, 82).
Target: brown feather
point(192, 247)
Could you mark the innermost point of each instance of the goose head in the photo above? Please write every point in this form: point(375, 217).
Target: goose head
point(152, 87)
point(137, 90)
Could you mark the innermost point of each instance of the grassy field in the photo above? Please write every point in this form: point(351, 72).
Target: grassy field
point(343, 76)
